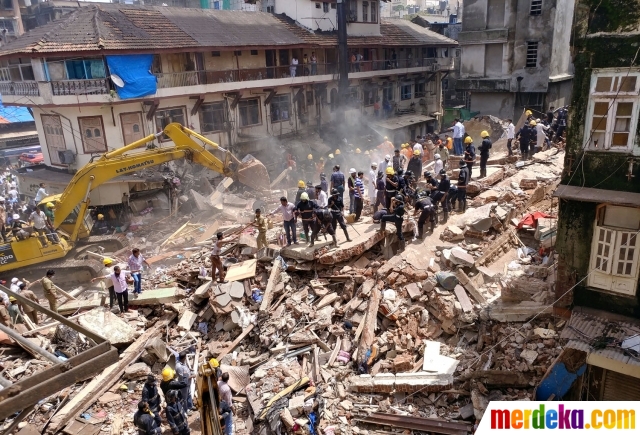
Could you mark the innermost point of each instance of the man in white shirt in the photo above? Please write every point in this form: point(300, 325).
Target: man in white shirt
point(39, 222)
point(41, 194)
point(458, 134)
point(293, 67)
point(321, 197)
point(438, 164)
point(119, 280)
point(14, 285)
point(384, 165)
point(288, 219)
point(510, 130)
point(371, 182)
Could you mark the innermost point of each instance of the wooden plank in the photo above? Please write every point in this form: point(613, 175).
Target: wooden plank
point(335, 352)
point(240, 271)
point(369, 329)
point(100, 384)
point(463, 299)
point(236, 342)
point(291, 388)
point(274, 278)
point(73, 306)
point(327, 300)
point(50, 325)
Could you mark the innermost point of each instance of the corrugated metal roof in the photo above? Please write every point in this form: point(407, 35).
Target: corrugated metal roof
point(584, 329)
point(105, 27)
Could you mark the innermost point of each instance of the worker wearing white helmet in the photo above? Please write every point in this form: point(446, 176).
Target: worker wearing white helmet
point(438, 164)
point(14, 285)
point(384, 165)
point(371, 185)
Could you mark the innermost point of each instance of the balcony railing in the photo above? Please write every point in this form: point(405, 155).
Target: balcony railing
point(19, 88)
point(81, 87)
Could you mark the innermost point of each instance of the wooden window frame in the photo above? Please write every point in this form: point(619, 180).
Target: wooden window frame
point(81, 129)
point(201, 114)
point(124, 140)
point(259, 113)
point(161, 138)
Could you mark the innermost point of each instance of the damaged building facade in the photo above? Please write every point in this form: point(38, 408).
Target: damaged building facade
point(514, 55)
point(228, 75)
point(599, 204)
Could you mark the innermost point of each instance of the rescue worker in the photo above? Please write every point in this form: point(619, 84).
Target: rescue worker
point(176, 415)
point(184, 375)
point(550, 115)
point(308, 168)
point(335, 207)
point(261, 224)
point(216, 261)
point(319, 167)
point(29, 311)
point(438, 164)
point(311, 191)
point(415, 164)
point(408, 189)
point(151, 396)
point(397, 161)
point(48, 212)
point(338, 158)
point(49, 289)
point(371, 183)
point(440, 195)
point(380, 196)
point(170, 382)
point(390, 187)
point(386, 147)
point(396, 216)
point(444, 154)
point(301, 189)
point(469, 154)
point(108, 284)
point(14, 311)
point(100, 226)
point(560, 123)
point(463, 181)
point(322, 200)
point(323, 182)
point(526, 135)
point(384, 165)
point(337, 181)
point(533, 126)
point(145, 421)
point(304, 209)
point(323, 220)
point(425, 207)
point(3, 219)
point(529, 115)
point(351, 185)
point(432, 183)
point(485, 146)
point(288, 219)
point(406, 151)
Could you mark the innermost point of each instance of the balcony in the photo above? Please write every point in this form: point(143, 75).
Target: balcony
point(81, 87)
point(19, 88)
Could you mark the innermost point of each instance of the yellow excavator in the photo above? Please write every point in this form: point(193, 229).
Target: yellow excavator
point(72, 221)
point(208, 399)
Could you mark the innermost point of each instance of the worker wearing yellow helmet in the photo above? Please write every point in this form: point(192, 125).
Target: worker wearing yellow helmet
point(469, 155)
point(171, 383)
point(484, 148)
point(50, 218)
point(302, 188)
point(358, 151)
point(390, 186)
point(337, 152)
point(527, 136)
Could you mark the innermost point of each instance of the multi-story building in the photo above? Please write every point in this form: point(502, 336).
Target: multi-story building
point(226, 74)
point(514, 55)
point(599, 204)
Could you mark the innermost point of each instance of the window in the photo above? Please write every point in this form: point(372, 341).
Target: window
point(7, 24)
point(156, 64)
point(132, 126)
point(249, 112)
point(536, 7)
point(7, 4)
point(217, 5)
point(212, 117)
point(215, 54)
point(369, 95)
point(318, 5)
point(77, 69)
point(532, 54)
point(254, 52)
point(54, 137)
point(352, 15)
point(612, 114)
point(365, 11)
point(165, 117)
point(405, 92)
point(16, 70)
point(387, 92)
point(374, 12)
point(429, 52)
point(614, 250)
point(280, 108)
point(420, 89)
point(325, 7)
point(92, 130)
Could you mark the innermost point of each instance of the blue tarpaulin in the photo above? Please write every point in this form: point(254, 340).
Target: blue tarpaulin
point(15, 114)
point(135, 72)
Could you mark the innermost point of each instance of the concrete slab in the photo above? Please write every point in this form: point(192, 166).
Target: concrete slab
point(75, 305)
point(104, 322)
point(236, 290)
point(157, 296)
point(186, 320)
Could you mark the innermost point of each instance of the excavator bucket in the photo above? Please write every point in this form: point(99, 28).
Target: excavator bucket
point(251, 172)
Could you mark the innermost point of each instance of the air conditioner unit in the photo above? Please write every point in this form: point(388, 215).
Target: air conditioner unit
point(66, 157)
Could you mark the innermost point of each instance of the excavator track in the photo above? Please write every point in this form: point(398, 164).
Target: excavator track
point(68, 272)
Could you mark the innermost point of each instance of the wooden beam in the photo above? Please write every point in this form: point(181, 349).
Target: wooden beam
point(236, 342)
point(290, 389)
point(369, 329)
point(100, 384)
point(274, 279)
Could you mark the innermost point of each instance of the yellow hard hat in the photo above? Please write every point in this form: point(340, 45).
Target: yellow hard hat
point(12, 299)
point(168, 373)
point(532, 123)
point(468, 139)
point(484, 133)
point(302, 184)
point(100, 217)
point(107, 261)
point(214, 363)
point(322, 159)
point(389, 171)
point(310, 157)
point(404, 145)
point(416, 152)
point(50, 205)
point(528, 113)
point(337, 152)
point(330, 156)
point(358, 151)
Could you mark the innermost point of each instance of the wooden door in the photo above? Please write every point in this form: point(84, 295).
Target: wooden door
point(132, 127)
point(54, 136)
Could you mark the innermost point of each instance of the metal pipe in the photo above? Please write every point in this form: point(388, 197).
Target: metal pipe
point(29, 345)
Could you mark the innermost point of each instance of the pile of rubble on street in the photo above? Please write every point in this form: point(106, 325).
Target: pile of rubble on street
point(332, 340)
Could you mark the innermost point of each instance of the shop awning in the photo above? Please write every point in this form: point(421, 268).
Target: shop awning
point(589, 194)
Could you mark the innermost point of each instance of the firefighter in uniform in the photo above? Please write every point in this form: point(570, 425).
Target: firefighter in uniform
point(391, 186)
point(396, 216)
point(440, 196)
point(485, 146)
point(144, 420)
point(176, 415)
point(335, 207)
point(427, 211)
point(304, 209)
point(151, 397)
point(323, 220)
point(463, 181)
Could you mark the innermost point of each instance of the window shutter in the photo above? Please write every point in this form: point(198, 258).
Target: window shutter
point(603, 249)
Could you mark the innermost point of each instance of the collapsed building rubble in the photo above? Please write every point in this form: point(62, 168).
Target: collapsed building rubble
point(317, 339)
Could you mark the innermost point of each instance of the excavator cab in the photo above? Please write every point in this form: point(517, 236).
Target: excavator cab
point(69, 224)
point(208, 399)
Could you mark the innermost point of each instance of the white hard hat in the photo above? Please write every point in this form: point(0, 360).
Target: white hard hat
point(19, 283)
point(437, 156)
point(16, 216)
point(352, 171)
point(14, 280)
point(374, 164)
point(387, 157)
point(1, 198)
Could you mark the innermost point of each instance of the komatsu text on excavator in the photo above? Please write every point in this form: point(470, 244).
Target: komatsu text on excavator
point(72, 222)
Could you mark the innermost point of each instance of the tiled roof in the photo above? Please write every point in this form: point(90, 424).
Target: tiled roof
point(104, 27)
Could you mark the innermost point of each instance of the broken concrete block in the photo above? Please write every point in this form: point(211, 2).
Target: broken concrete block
point(158, 348)
point(460, 256)
point(413, 291)
point(137, 371)
point(108, 325)
point(529, 356)
point(455, 233)
point(403, 363)
point(528, 183)
point(327, 300)
point(186, 320)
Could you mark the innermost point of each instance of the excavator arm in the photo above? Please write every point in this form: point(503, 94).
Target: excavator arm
point(133, 157)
